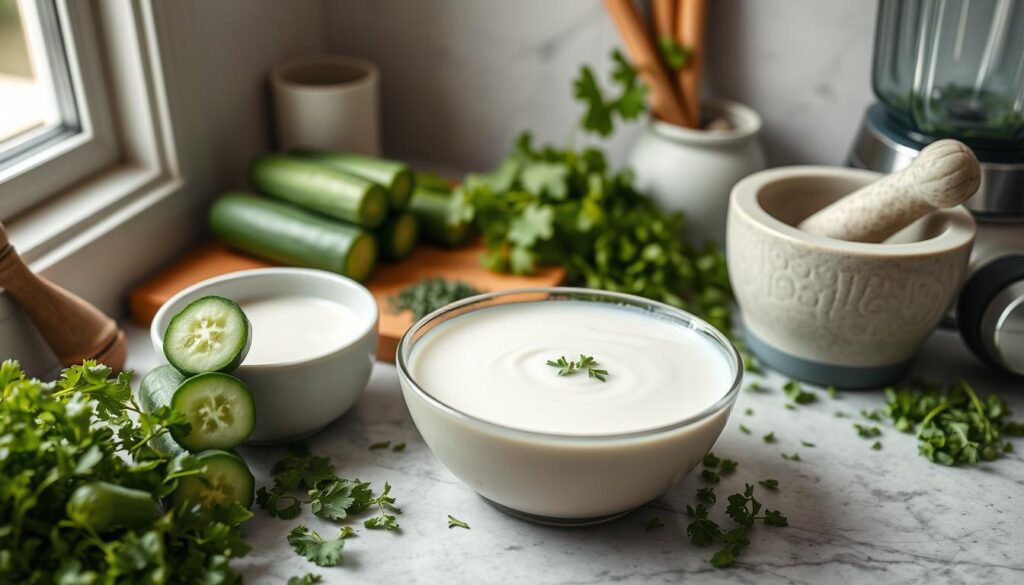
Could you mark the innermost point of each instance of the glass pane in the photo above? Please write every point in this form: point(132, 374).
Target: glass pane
point(28, 88)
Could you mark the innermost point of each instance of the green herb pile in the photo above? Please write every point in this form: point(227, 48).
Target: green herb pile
point(586, 362)
point(301, 473)
point(430, 294)
point(80, 487)
point(953, 424)
point(546, 206)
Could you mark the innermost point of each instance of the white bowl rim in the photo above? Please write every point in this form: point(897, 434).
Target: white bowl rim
point(156, 336)
point(959, 233)
point(697, 323)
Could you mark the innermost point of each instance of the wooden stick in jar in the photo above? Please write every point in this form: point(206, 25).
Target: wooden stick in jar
point(664, 100)
point(690, 22)
point(664, 16)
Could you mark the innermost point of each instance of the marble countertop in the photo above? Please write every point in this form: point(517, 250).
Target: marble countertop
point(856, 515)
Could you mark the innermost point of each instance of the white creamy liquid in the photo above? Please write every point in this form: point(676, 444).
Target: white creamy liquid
point(491, 364)
point(291, 328)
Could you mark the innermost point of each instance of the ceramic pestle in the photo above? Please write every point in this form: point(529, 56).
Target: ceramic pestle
point(74, 329)
point(945, 174)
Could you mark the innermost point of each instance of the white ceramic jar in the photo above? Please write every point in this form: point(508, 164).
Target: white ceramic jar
point(693, 171)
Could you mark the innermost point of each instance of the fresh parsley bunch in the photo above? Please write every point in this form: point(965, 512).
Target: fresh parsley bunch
point(546, 206)
point(79, 487)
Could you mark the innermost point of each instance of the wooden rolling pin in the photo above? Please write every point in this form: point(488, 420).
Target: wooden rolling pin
point(74, 329)
point(945, 174)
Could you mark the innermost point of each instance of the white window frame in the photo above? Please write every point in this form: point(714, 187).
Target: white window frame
point(57, 158)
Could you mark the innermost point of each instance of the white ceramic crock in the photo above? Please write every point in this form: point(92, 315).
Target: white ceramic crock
point(293, 399)
point(566, 480)
point(693, 171)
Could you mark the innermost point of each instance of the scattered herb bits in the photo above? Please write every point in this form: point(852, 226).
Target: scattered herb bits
point(793, 457)
point(398, 447)
point(653, 524)
point(769, 438)
point(772, 484)
point(744, 510)
point(380, 445)
point(430, 294)
point(385, 503)
point(744, 430)
point(307, 579)
point(795, 392)
point(867, 432)
point(876, 446)
point(585, 363)
point(324, 552)
point(808, 444)
point(454, 522)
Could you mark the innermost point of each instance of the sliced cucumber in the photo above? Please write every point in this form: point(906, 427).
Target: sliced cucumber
point(210, 334)
point(219, 408)
point(227, 479)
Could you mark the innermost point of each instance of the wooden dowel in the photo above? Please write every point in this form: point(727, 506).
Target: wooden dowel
point(664, 99)
point(664, 16)
point(690, 23)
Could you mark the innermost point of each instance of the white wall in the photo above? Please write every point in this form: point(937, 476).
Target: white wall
point(462, 77)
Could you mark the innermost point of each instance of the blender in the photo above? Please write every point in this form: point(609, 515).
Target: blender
point(955, 69)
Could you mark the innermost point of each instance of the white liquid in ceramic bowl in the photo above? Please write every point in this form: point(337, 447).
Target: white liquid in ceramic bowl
point(492, 364)
point(291, 328)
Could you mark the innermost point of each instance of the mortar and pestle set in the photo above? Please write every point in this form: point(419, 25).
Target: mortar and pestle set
point(842, 273)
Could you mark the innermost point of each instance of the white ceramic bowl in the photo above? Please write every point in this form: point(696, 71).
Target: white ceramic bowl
point(293, 399)
point(558, 479)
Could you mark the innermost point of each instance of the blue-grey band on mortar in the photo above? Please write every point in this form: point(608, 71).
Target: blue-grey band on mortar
point(853, 377)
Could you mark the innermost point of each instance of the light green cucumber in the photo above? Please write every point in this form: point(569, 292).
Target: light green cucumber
point(211, 334)
point(393, 175)
point(398, 236)
point(435, 210)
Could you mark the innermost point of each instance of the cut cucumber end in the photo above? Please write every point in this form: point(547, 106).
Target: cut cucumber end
point(210, 334)
point(401, 189)
point(405, 236)
point(227, 480)
point(362, 258)
point(219, 408)
point(373, 209)
point(457, 234)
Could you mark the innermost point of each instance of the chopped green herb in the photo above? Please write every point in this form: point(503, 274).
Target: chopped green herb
point(793, 457)
point(307, 579)
point(728, 466)
point(278, 503)
point(789, 406)
point(706, 495)
point(832, 392)
point(807, 444)
point(380, 445)
point(340, 499)
point(588, 363)
point(702, 530)
point(711, 461)
point(399, 447)
point(871, 415)
point(769, 438)
point(385, 503)
point(841, 414)
point(430, 294)
point(749, 412)
point(317, 549)
point(795, 392)
point(877, 445)
point(744, 430)
point(600, 111)
point(867, 432)
point(756, 388)
point(653, 524)
point(710, 476)
point(454, 522)
point(743, 509)
point(772, 484)
point(674, 55)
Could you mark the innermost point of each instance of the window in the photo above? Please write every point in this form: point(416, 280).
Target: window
point(54, 118)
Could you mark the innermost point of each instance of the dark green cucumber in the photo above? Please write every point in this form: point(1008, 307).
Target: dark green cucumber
point(435, 210)
point(211, 334)
point(287, 234)
point(393, 175)
point(219, 407)
point(399, 236)
point(321, 188)
point(227, 480)
point(106, 506)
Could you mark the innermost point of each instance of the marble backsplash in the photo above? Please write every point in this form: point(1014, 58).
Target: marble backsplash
point(462, 77)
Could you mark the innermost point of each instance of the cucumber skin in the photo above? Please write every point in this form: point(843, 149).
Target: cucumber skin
point(318, 187)
point(284, 233)
point(228, 367)
point(179, 495)
point(160, 387)
point(433, 210)
point(395, 176)
point(388, 234)
point(199, 378)
point(106, 506)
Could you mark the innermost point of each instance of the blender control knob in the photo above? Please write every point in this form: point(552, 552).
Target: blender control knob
point(990, 313)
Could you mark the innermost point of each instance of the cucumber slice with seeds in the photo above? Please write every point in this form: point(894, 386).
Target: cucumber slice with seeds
point(227, 479)
point(210, 334)
point(219, 407)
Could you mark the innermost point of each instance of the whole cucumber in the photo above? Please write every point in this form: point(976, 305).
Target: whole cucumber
point(321, 188)
point(434, 209)
point(287, 234)
point(104, 506)
point(393, 175)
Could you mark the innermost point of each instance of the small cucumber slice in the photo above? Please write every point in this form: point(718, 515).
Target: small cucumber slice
point(227, 479)
point(220, 409)
point(210, 334)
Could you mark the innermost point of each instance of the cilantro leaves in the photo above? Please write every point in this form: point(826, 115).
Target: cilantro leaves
point(340, 498)
point(743, 509)
point(599, 113)
point(323, 552)
point(454, 522)
point(586, 362)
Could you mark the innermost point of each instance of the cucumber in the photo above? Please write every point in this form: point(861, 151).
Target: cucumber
point(321, 188)
point(211, 334)
point(104, 506)
point(227, 479)
point(395, 176)
point(287, 234)
point(219, 407)
point(399, 236)
point(435, 210)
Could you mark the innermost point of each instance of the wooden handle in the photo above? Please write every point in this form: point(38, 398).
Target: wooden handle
point(945, 173)
point(690, 24)
point(664, 16)
point(74, 329)
point(664, 100)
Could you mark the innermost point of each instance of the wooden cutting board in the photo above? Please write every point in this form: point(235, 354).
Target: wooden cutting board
point(427, 261)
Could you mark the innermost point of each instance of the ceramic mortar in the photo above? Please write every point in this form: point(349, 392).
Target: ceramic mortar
point(829, 311)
